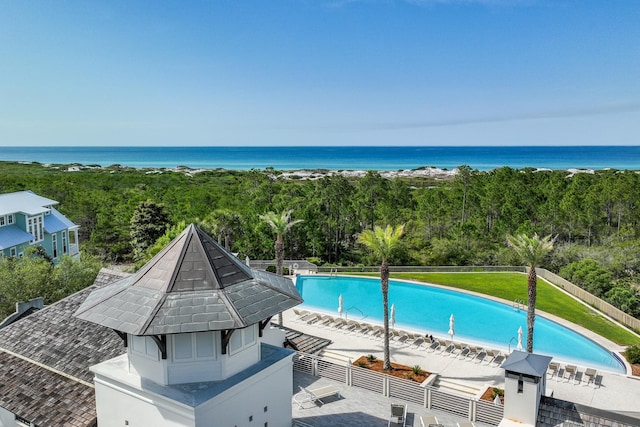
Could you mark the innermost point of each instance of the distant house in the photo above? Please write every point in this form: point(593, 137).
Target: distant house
point(27, 219)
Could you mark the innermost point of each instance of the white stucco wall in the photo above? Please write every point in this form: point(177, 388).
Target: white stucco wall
point(274, 336)
point(125, 399)
point(119, 405)
point(7, 419)
point(244, 405)
point(239, 361)
point(521, 407)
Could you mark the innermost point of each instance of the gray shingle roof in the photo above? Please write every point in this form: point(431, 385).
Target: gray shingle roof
point(45, 360)
point(43, 397)
point(527, 363)
point(192, 285)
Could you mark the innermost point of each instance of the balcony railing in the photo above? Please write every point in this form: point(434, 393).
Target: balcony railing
point(428, 396)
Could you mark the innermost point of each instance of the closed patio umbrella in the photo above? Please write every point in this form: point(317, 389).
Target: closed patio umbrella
point(451, 326)
point(392, 316)
point(340, 307)
point(520, 338)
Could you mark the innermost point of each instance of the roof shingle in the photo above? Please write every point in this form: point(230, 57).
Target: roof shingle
point(193, 285)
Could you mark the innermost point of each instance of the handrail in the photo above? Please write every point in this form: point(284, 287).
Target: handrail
point(518, 304)
point(346, 312)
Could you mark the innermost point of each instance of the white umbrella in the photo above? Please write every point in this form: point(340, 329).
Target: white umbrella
point(520, 338)
point(392, 317)
point(340, 309)
point(451, 324)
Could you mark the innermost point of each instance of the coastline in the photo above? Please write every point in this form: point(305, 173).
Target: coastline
point(329, 158)
point(427, 172)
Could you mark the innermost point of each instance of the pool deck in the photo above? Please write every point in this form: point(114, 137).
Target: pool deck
point(618, 392)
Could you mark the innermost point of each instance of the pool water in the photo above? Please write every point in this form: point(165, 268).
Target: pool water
point(427, 309)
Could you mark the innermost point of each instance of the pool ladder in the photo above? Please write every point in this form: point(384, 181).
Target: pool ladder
point(518, 304)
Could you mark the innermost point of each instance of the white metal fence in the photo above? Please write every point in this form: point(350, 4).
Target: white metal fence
point(410, 391)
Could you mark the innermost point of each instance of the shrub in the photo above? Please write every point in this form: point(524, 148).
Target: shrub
point(632, 353)
point(272, 269)
point(497, 392)
point(371, 358)
point(361, 363)
point(416, 370)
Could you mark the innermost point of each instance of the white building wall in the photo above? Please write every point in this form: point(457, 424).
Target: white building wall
point(123, 400)
point(141, 366)
point(521, 407)
point(7, 419)
point(274, 336)
point(234, 363)
point(263, 398)
point(119, 405)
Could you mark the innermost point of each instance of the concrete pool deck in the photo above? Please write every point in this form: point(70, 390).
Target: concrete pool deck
point(618, 392)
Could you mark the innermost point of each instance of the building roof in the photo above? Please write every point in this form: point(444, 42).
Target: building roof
point(45, 360)
point(26, 202)
point(12, 235)
point(56, 222)
point(44, 397)
point(527, 363)
point(192, 285)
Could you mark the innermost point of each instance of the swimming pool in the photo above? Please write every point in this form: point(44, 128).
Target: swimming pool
point(427, 309)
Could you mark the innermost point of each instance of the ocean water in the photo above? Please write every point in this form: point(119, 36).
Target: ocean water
point(335, 158)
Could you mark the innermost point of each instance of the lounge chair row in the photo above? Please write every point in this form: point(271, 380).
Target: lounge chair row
point(568, 373)
point(401, 338)
point(467, 352)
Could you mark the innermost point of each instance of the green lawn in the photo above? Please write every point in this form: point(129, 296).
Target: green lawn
point(512, 286)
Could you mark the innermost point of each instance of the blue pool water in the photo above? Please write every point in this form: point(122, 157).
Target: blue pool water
point(427, 309)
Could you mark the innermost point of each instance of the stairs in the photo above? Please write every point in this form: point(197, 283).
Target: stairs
point(449, 386)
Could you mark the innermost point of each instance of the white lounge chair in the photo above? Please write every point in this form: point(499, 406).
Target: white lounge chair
point(398, 414)
point(315, 395)
point(480, 356)
point(498, 359)
point(429, 420)
point(590, 373)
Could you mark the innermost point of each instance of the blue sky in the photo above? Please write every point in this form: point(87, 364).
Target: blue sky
point(320, 72)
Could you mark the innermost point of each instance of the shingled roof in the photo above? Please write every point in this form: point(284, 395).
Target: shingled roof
point(193, 285)
point(45, 360)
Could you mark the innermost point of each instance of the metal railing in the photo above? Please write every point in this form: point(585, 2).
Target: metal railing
point(426, 396)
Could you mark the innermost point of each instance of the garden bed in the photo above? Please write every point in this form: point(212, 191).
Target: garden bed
point(400, 371)
point(490, 394)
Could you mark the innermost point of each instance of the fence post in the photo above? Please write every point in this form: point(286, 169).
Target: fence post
point(349, 375)
point(314, 367)
point(427, 397)
point(472, 410)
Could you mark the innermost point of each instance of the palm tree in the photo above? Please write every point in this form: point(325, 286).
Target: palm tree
point(222, 223)
point(531, 251)
point(382, 241)
point(280, 224)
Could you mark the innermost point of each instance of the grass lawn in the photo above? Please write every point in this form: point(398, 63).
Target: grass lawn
point(511, 286)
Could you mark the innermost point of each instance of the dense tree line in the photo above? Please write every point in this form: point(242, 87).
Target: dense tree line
point(459, 221)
